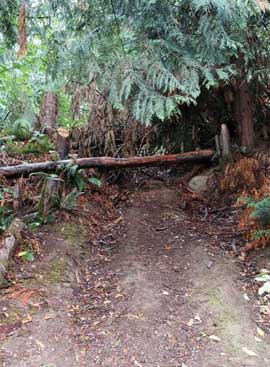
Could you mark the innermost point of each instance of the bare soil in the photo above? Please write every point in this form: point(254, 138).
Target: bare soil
point(152, 291)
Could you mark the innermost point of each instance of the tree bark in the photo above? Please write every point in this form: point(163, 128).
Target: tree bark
point(49, 112)
point(22, 31)
point(225, 141)
point(244, 114)
point(108, 162)
point(63, 143)
point(8, 246)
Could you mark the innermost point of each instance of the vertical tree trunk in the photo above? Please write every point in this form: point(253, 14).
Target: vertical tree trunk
point(63, 143)
point(49, 112)
point(244, 114)
point(22, 31)
point(225, 141)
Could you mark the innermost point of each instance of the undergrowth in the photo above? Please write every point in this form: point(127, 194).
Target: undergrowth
point(37, 144)
point(247, 180)
point(6, 210)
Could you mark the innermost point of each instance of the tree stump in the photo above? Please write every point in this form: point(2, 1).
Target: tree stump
point(63, 143)
point(225, 141)
point(14, 236)
point(50, 189)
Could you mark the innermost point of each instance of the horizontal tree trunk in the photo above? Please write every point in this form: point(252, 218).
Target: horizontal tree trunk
point(108, 162)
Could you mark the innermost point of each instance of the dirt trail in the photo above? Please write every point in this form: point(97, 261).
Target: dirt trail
point(148, 298)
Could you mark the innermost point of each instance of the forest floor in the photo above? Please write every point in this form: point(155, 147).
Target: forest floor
point(156, 288)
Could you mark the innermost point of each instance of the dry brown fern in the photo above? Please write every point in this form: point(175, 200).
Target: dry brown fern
point(245, 174)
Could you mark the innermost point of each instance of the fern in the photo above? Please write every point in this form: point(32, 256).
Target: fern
point(68, 202)
point(261, 211)
point(39, 144)
point(22, 129)
point(258, 235)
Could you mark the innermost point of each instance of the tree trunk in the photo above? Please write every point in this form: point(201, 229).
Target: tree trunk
point(225, 141)
point(49, 112)
point(244, 114)
point(22, 31)
point(63, 143)
point(108, 162)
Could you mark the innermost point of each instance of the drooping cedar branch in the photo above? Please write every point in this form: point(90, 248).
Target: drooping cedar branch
point(22, 31)
point(108, 162)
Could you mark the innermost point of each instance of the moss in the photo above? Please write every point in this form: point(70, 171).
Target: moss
point(225, 317)
point(3, 262)
point(214, 299)
point(58, 267)
point(14, 148)
point(38, 144)
point(72, 233)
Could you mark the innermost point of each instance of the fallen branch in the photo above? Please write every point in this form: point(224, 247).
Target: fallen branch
point(108, 162)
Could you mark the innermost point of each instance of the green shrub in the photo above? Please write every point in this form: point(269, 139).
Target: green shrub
point(261, 211)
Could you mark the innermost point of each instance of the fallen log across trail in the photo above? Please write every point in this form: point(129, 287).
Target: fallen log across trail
point(108, 162)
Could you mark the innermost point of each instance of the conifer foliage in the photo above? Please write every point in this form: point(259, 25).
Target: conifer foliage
point(156, 55)
point(150, 56)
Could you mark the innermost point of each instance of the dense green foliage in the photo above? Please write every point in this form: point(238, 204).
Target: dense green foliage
point(153, 56)
point(8, 14)
point(157, 55)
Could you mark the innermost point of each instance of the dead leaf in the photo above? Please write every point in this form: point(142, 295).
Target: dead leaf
point(119, 295)
point(249, 352)
point(23, 294)
point(260, 332)
point(41, 345)
point(27, 319)
point(7, 330)
point(119, 220)
point(131, 316)
point(168, 247)
point(214, 338)
point(198, 319)
point(136, 363)
point(49, 316)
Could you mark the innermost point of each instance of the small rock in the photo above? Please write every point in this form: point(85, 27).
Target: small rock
point(198, 183)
